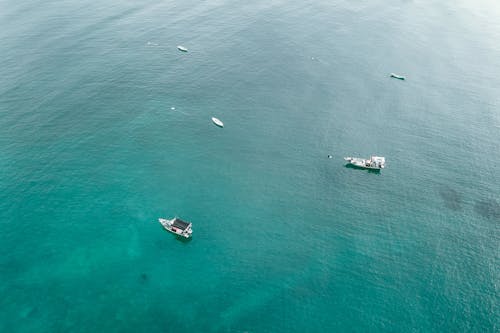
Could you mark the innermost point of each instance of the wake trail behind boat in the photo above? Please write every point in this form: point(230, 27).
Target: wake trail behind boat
point(173, 109)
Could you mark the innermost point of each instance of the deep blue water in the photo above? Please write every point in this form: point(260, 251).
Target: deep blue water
point(285, 239)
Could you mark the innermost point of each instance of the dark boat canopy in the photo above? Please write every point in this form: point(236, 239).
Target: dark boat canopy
point(178, 223)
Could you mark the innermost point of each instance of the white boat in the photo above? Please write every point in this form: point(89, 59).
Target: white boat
point(177, 226)
point(182, 48)
point(217, 122)
point(374, 162)
point(399, 77)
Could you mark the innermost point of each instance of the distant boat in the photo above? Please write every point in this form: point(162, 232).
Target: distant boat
point(374, 162)
point(182, 48)
point(217, 122)
point(399, 77)
point(177, 226)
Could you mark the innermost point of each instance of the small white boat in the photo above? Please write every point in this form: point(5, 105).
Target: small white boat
point(374, 162)
point(177, 226)
point(399, 77)
point(217, 122)
point(182, 48)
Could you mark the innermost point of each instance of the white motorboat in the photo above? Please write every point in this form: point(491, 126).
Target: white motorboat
point(182, 48)
point(399, 77)
point(177, 226)
point(217, 122)
point(374, 162)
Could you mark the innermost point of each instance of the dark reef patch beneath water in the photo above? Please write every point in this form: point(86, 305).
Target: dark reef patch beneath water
point(452, 198)
point(489, 209)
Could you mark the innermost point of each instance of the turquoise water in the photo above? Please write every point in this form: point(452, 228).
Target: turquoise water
point(285, 239)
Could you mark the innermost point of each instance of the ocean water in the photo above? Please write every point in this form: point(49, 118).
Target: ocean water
point(285, 239)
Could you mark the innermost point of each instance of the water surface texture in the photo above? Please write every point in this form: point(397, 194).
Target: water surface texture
point(105, 126)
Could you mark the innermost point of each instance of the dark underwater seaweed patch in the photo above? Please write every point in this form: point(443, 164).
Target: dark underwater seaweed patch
point(452, 199)
point(489, 209)
point(144, 278)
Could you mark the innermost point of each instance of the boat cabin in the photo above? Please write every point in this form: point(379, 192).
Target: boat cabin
point(180, 225)
point(378, 161)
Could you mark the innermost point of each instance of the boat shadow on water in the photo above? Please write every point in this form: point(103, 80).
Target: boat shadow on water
point(350, 166)
point(180, 238)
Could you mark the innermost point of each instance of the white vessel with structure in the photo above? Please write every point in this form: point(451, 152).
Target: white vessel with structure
point(217, 122)
point(374, 162)
point(182, 48)
point(177, 226)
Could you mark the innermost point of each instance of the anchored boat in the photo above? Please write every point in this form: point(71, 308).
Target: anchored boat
point(399, 77)
point(182, 48)
point(177, 226)
point(217, 122)
point(374, 162)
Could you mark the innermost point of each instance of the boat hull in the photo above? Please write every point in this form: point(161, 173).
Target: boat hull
point(399, 77)
point(352, 165)
point(178, 234)
point(217, 122)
